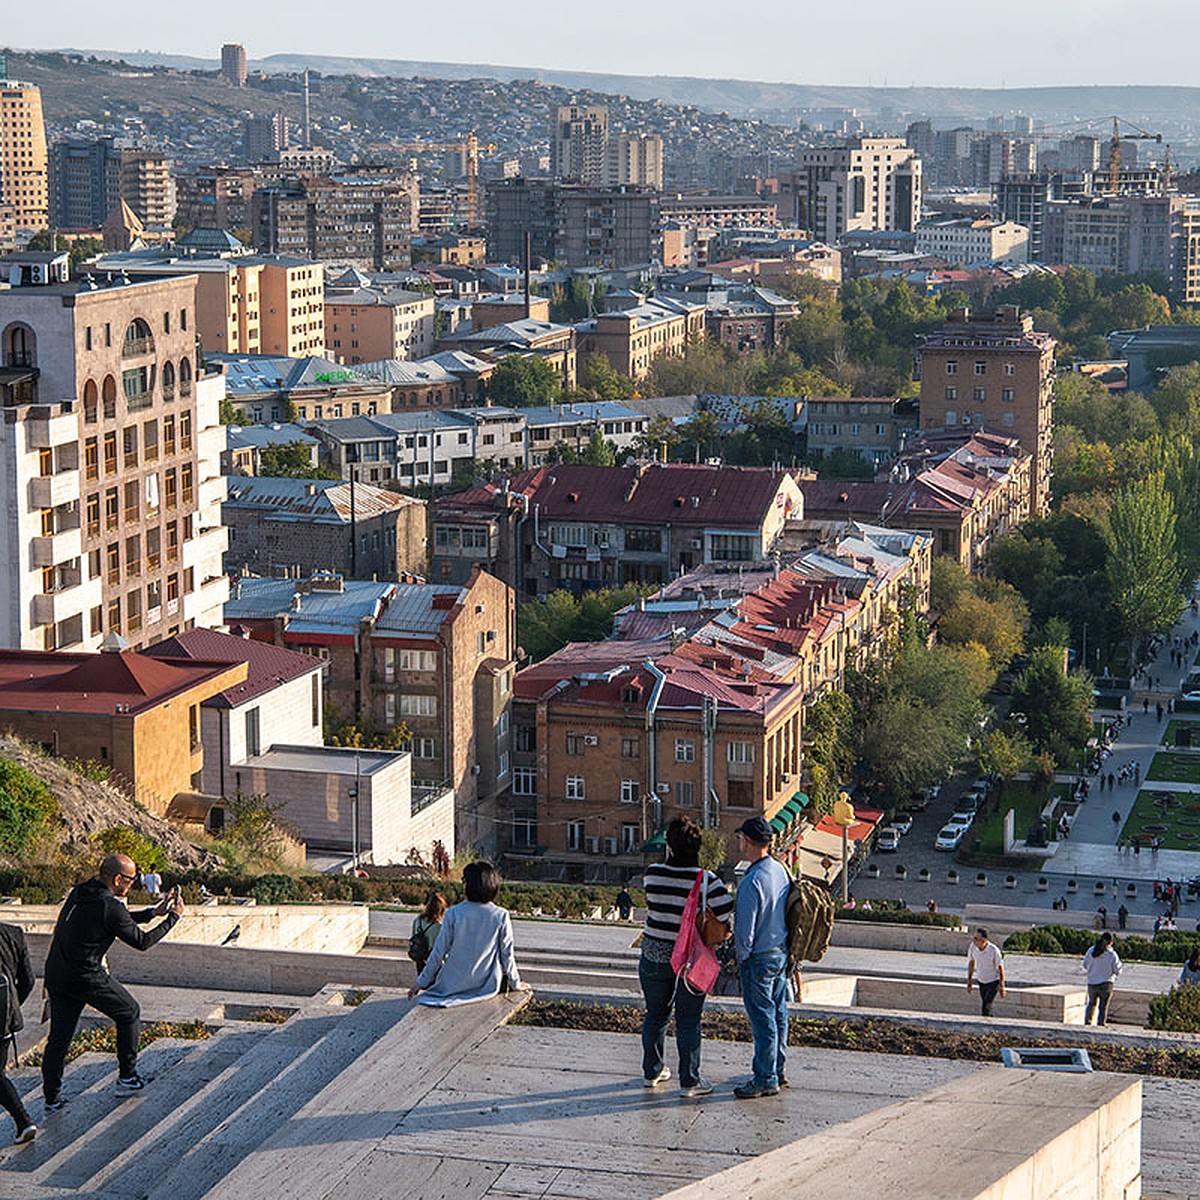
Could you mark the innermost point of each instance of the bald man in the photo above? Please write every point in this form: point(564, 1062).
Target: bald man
point(92, 918)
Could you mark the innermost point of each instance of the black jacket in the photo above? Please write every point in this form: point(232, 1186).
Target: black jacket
point(15, 965)
point(91, 920)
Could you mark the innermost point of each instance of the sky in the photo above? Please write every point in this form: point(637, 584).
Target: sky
point(1016, 43)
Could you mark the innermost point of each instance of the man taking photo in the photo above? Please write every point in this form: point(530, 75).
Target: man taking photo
point(92, 918)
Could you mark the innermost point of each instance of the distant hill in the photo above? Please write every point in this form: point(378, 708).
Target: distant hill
point(739, 97)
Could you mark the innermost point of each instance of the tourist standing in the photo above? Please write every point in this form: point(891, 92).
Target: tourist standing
point(985, 966)
point(1102, 966)
point(18, 984)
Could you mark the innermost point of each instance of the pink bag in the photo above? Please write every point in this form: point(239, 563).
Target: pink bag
point(694, 963)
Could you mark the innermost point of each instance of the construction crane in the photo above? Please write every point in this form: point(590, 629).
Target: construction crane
point(471, 147)
point(1114, 150)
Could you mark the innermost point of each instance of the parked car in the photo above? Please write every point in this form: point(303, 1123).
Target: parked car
point(950, 837)
point(982, 785)
point(971, 802)
point(1191, 695)
point(888, 839)
point(917, 802)
point(961, 817)
point(902, 823)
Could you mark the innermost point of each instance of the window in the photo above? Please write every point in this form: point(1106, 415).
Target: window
point(574, 743)
point(91, 458)
point(685, 793)
point(526, 738)
point(980, 395)
point(733, 547)
point(110, 453)
point(631, 836)
point(630, 747)
point(316, 701)
point(418, 660)
point(1008, 395)
point(952, 368)
point(524, 781)
point(253, 739)
point(574, 835)
point(524, 833)
point(576, 788)
point(1007, 420)
point(630, 790)
point(112, 508)
point(418, 706)
point(740, 752)
point(424, 747)
point(981, 368)
point(644, 540)
point(502, 764)
point(1010, 369)
point(133, 555)
point(952, 393)
point(951, 417)
point(685, 750)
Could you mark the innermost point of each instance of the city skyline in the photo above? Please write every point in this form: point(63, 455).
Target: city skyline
point(1077, 42)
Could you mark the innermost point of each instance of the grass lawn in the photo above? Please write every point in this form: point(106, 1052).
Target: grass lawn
point(1177, 828)
point(1026, 801)
point(1168, 737)
point(1174, 766)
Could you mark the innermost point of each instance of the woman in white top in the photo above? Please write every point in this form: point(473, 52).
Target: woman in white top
point(1102, 966)
point(473, 954)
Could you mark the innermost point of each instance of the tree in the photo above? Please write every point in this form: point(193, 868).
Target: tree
point(600, 453)
point(544, 626)
point(1057, 707)
point(601, 379)
point(1177, 400)
point(701, 433)
point(524, 380)
point(704, 368)
point(1002, 755)
point(1143, 564)
point(659, 437)
point(993, 624)
point(79, 250)
point(291, 460)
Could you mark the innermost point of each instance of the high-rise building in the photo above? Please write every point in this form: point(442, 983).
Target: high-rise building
point(993, 372)
point(634, 158)
point(580, 143)
point(264, 137)
point(85, 182)
point(868, 183)
point(147, 186)
point(109, 460)
point(24, 169)
point(233, 64)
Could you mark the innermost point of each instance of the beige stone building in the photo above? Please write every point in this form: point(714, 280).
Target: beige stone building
point(292, 306)
point(631, 339)
point(148, 187)
point(24, 168)
point(868, 183)
point(118, 530)
point(367, 324)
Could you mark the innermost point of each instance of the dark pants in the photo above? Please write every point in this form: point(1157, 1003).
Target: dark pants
point(10, 1100)
point(1099, 994)
point(662, 994)
point(987, 996)
point(66, 1005)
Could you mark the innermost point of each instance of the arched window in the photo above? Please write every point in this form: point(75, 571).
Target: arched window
point(110, 397)
point(138, 338)
point(168, 379)
point(185, 376)
point(91, 401)
point(20, 346)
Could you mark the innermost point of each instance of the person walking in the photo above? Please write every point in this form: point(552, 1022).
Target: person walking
point(92, 918)
point(426, 926)
point(760, 940)
point(1189, 976)
point(152, 884)
point(624, 904)
point(16, 985)
point(668, 886)
point(985, 966)
point(1102, 966)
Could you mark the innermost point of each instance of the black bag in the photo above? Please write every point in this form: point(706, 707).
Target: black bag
point(418, 945)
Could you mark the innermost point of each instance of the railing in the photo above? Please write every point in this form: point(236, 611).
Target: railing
point(423, 797)
point(132, 347)
point(168, 391)
point(131, 458)
point(185, 387)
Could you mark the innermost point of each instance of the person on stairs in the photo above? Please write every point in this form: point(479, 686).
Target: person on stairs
point(16, 984)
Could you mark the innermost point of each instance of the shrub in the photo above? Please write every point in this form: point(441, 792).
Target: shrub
point(898, 916)
point(144, 851)
point(1178, 1011)
point(275, 889)
point(26, 807)
point(1033, 941)
point(1067, 939)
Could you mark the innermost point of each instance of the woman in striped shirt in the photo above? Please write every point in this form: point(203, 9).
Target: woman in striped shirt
point(667, 887)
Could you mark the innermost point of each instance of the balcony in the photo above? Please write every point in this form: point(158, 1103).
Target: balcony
point(49, 491)
point(137, 346)
point(740, 770)
point(60, 547)
point(51, 429)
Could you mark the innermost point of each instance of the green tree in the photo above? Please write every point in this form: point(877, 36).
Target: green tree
point(600, 453)
point(79, 250)
point(291, 460)
point(1143, 565)
point(1177, 400)
point(701, 434)
point(659, 437)
point(1002, 755)
point(1057, 707)
point(704, 368)
point(27, 806)
point(600, 379)
point(994, 624)
point(523, 380)
point(544, 626)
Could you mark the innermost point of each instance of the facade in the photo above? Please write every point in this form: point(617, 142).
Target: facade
point(301, 526)
point(578, 528)
point(1187, 257)
point(148, 187)
point(994, 372)
point(24, 167)
point(128, 486)
point(1024, 200)
point(873, 427)
point(1123, 234)
point(215, 197)
point(580, 143)
point(632, 338)
point(634, 159)
point(264, 137)
point(233, 64)
point(292, 307)
point(962, 241)
point(244, 446)
point(85, 182)
point(366, 324)
point(868, 183)
point(719, 212)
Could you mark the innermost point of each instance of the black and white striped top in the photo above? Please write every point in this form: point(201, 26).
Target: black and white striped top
point(667, 889)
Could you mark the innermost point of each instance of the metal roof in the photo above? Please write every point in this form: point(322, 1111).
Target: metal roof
point(314, 611)
point(410, 610)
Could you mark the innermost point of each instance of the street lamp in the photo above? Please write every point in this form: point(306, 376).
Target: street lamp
point(354, 809)
point(843, 815)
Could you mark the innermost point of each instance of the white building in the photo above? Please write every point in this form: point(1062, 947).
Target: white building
point(962, 241)
point(868, 183)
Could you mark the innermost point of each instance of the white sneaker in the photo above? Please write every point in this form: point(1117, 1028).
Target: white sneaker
point(25, 1135)
point(700, 1088)
point(661, 1077)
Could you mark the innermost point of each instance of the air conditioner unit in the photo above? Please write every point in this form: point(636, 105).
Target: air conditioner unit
point(593, 845)
point(610, 846)
point(590, 739)
point(664, 789)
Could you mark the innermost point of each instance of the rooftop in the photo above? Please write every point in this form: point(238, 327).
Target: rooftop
point(312, 501)
point(325, 607)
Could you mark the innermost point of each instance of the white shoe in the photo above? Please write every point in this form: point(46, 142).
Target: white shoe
point(661, 1077)
point(700, 1088)
point(26, 1135)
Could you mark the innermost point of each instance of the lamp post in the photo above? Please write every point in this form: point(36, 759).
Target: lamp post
point(354, 809)
point(843, 815)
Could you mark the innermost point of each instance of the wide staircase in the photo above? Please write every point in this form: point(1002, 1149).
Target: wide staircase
point(252, 1103)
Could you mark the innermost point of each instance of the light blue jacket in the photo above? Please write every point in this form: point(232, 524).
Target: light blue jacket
point(760, 924)
point(472, 954)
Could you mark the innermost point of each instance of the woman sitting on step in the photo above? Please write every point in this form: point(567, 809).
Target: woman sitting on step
point(473, 955)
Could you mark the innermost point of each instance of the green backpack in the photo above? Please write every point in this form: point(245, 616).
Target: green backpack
point(809, 922)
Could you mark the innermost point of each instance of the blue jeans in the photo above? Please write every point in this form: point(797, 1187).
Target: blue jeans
point(764, 993)
point(658, 986)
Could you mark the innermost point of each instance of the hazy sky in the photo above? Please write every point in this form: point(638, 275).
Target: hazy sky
point(1014, 43)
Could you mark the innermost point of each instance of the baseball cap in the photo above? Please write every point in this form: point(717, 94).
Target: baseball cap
point(755, 829)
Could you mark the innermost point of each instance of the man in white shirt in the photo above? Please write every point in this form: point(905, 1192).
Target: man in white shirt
point(985, 966)
point(152, 882)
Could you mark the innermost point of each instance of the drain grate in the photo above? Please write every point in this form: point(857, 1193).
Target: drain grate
point(1047, 1058)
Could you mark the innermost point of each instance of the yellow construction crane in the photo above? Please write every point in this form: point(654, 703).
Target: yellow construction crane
point(471, 147)
point(1114, 150)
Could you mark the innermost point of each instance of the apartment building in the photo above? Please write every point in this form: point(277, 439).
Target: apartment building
point(215, 197)
point(301, 526)
point(547, 340)
point(634, 159)
point(367, 324)
point(102, 382)
point(233, 64)
point(580, 143)
point(748, 319)
point(439, 660)
point(24, 167)
point(994, 372)
point(85, 182)
point(718, 212)
point(264, 137)
point(1187, 257)
point(580, 527)
point(148, 187)
point(964, 241)
point(872, 427)
point(868, 183)
point(632, 338)
point(1124, 234)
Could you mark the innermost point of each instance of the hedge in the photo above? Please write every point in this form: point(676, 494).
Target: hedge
point(1178, 1011)
point(899, 916)
point(1069, 939)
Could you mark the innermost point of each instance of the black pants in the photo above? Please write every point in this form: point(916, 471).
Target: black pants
point(1099, 995)
point(10, 1100)
point(987, 996)
point(66, 1004)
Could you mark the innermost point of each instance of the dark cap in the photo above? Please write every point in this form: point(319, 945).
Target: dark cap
point(756, 830)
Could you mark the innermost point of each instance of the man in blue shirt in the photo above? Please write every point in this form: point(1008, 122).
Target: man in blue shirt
point(760, 939)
